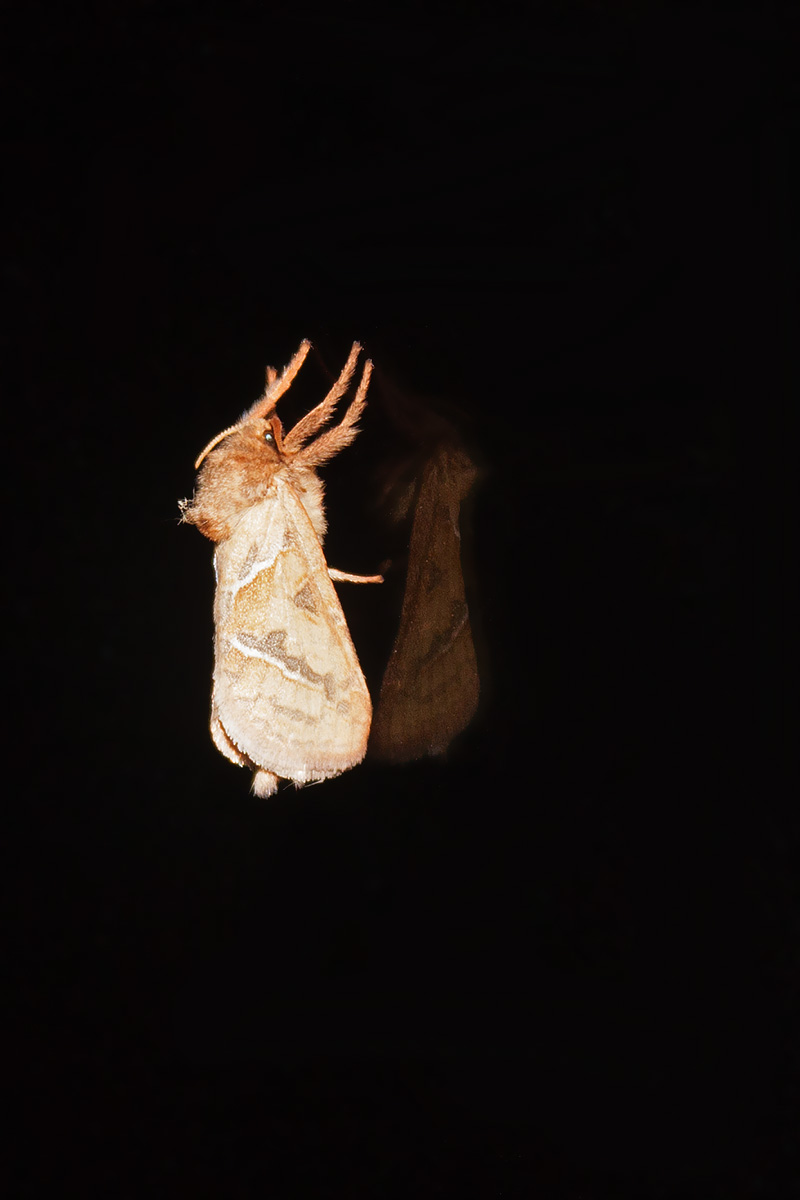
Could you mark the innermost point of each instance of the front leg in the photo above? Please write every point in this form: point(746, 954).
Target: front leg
point(345, 577)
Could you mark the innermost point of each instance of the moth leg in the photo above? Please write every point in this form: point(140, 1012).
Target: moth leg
point(277, 384)
point(328, 444)
point(345, 577)
point(313, 421)
point(264, 783)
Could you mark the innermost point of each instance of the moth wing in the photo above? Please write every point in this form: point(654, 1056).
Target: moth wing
point(289, 695)
point(430, 687)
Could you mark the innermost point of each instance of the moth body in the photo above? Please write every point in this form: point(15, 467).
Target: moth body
point(289, 699)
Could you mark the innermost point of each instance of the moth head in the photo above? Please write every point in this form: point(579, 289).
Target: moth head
point(260, 438)
point(237, 466)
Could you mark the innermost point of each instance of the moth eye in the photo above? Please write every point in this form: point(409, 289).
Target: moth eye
point(269, 438)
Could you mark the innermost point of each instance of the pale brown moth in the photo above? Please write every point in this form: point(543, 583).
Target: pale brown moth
point(289, 699)
point(430, 688)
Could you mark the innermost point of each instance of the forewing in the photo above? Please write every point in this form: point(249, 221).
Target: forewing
point(289, 694)
point(430, 687)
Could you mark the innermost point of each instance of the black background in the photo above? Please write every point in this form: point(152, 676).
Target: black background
point(563, 962)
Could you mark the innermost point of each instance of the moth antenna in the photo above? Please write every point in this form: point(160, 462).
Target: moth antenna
point(275, 388)
point(215, 442)
point(319, 416)
point(329, 444)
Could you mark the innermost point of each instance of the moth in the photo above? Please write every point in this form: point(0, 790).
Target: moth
point(430, 687)
point(289, 699)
